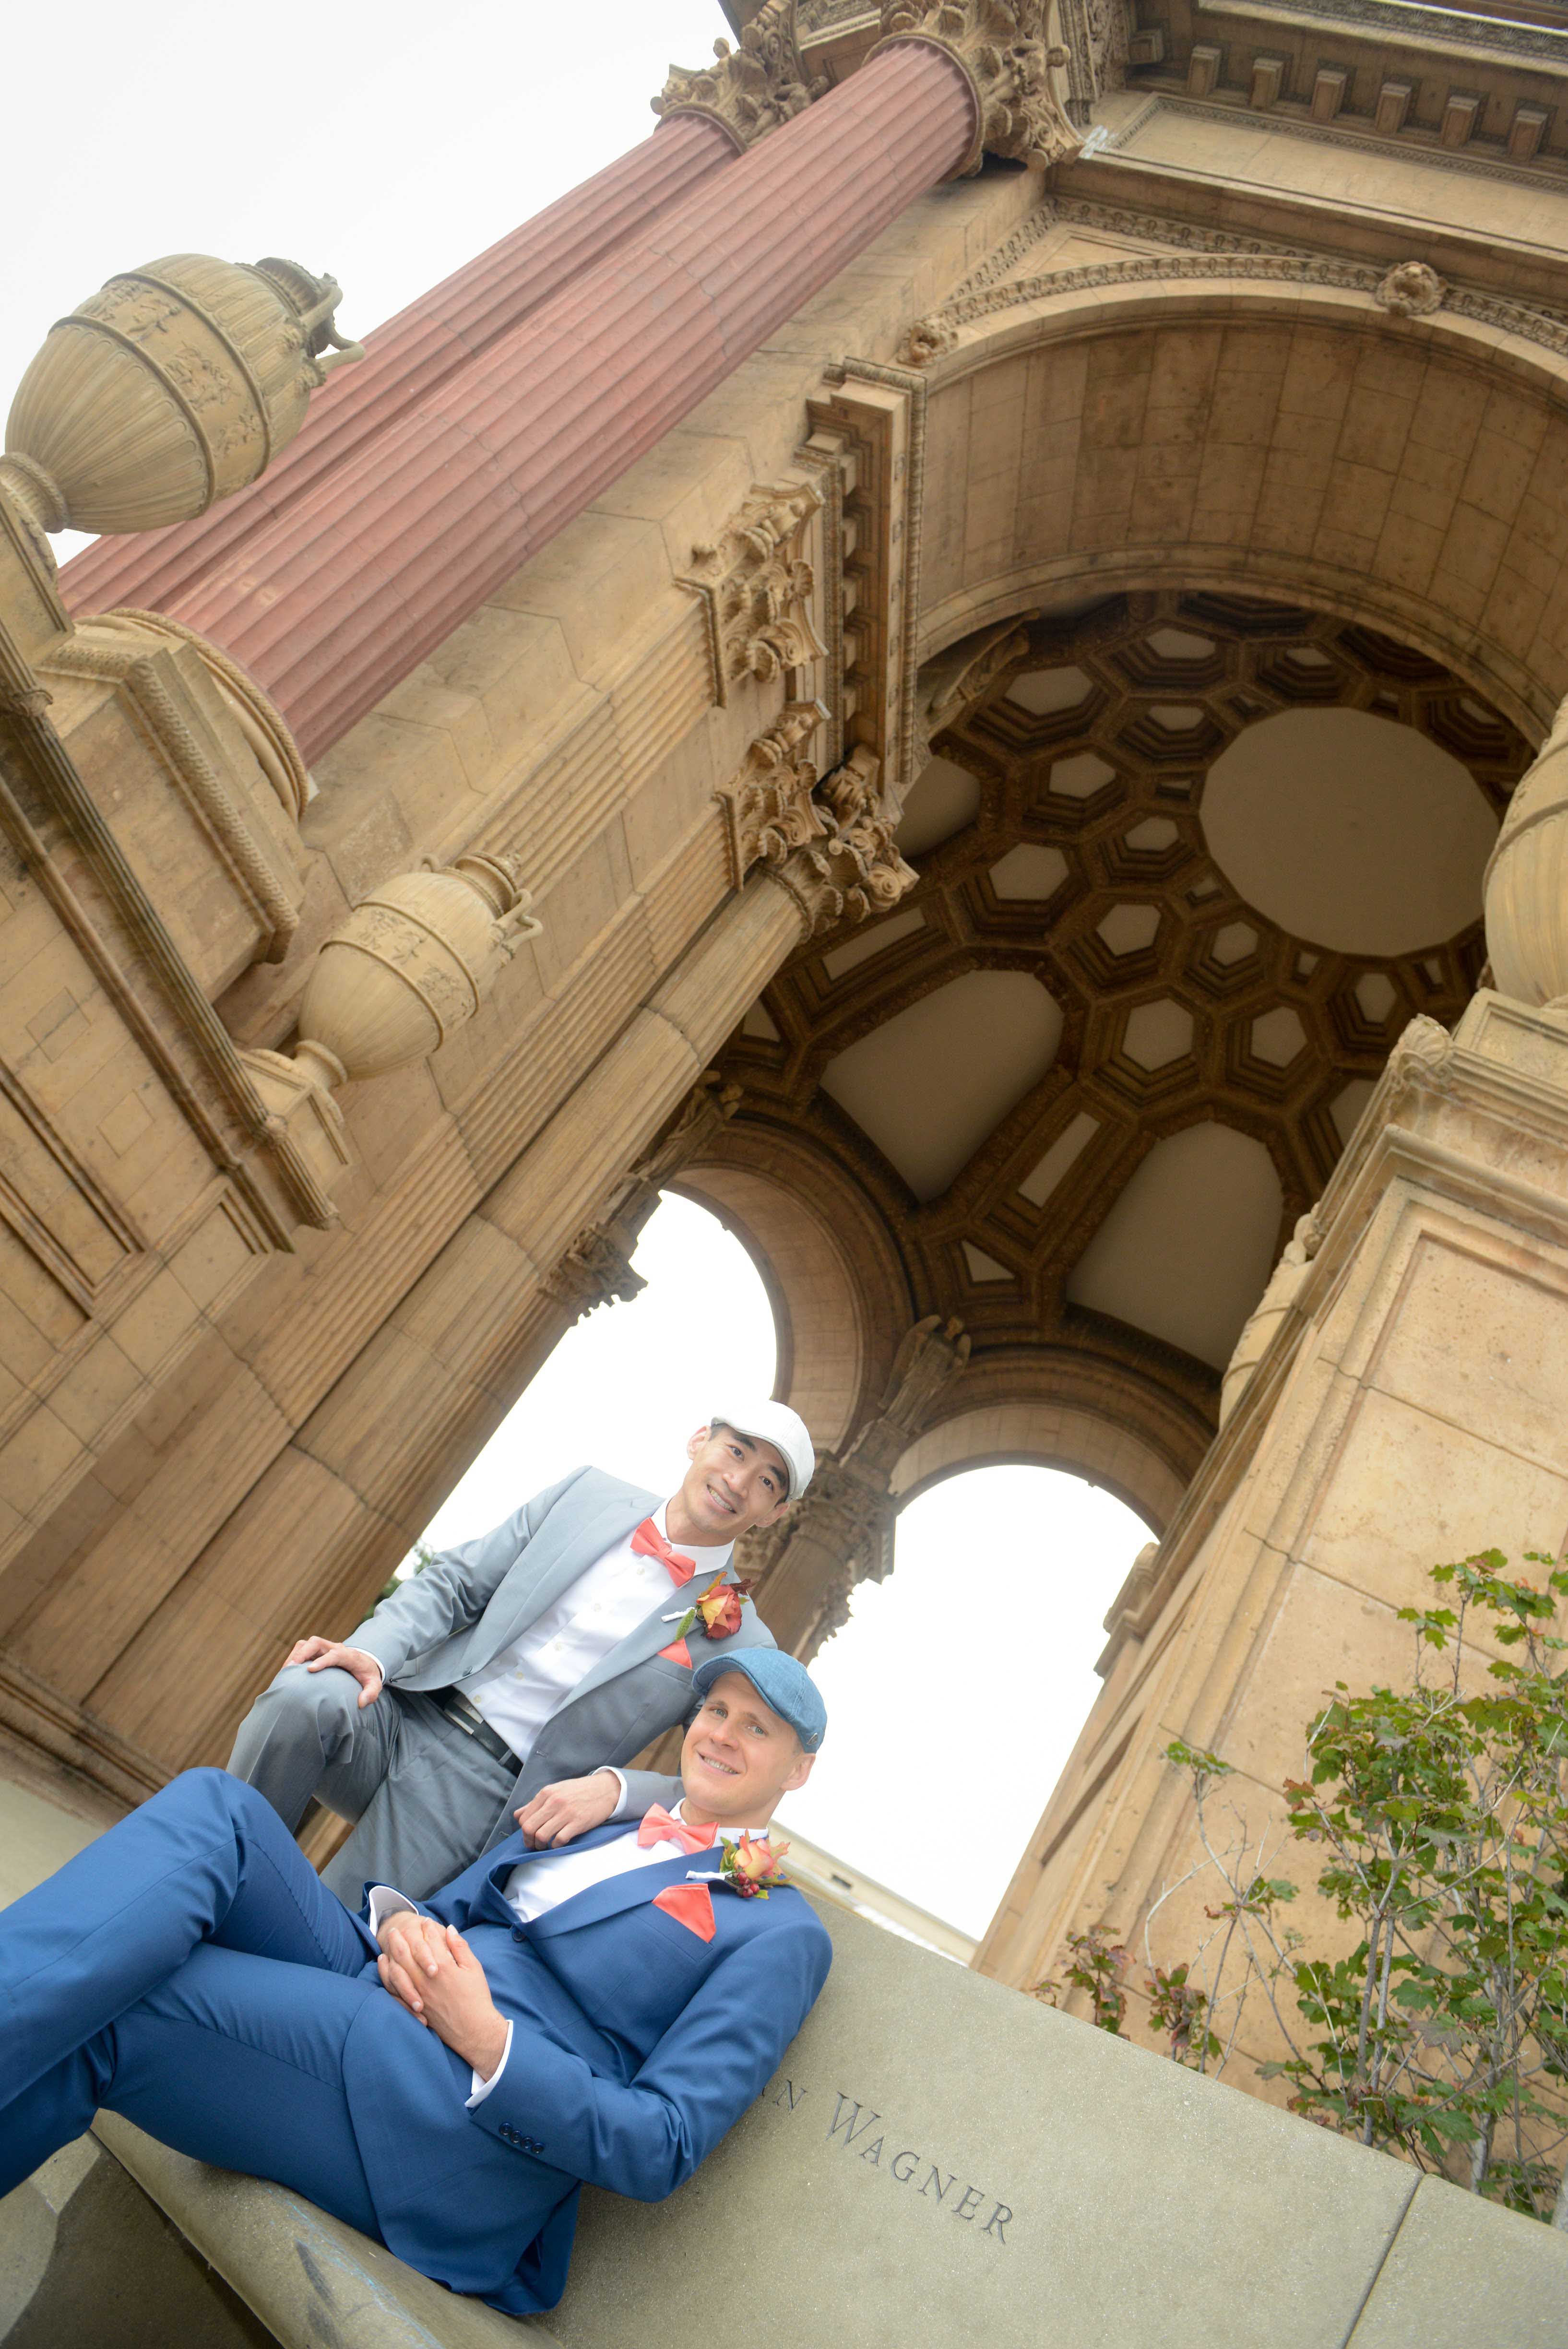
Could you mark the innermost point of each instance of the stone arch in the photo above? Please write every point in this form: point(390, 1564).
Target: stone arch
point(1291, 418)
point(839, 1300)
point(1101, 1418)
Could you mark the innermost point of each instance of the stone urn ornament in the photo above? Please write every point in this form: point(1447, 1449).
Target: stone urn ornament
point(1526, 882)
point(170, 388)
point(413, 962)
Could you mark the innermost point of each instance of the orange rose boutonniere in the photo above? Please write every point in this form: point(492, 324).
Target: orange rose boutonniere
point(718, 1611)
point(752, 1867)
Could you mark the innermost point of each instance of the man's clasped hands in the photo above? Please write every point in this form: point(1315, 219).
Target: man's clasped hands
point(430, 1969)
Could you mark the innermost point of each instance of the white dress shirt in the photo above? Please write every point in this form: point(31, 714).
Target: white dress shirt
point(519, 1690)
point(552, 1877)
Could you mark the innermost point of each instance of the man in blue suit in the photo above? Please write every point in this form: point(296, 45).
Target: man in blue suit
point(441, 2076)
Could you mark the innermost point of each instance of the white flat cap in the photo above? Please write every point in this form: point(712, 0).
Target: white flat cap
point(775, 1423)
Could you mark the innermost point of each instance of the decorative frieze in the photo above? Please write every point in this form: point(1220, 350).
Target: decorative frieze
point(1404, 288)
point(750, 90)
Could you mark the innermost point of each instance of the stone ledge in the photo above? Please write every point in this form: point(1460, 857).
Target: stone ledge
point(309, 2278)
point(940, 2158)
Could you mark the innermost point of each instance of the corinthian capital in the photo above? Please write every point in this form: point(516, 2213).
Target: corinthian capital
point(854, 870)
point(1013, 63)
point(747, 92)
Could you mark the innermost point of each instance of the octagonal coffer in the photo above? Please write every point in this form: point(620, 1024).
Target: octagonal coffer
point(1051, 692)
point(1158, 1034)
point(1277, 1038)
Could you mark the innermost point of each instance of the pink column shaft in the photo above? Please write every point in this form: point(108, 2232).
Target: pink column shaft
point(332, 604)
point(409, 358)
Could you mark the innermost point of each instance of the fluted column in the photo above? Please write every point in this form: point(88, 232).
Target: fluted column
point(408, 360)
point(366, 572)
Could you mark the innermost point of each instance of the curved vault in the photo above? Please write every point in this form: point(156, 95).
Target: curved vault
point(1138, 1172)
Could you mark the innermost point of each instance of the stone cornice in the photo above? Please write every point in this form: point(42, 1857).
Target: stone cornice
point(1443, 29)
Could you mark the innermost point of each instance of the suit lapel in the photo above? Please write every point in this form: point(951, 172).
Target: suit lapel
point(653, 1632)
point(588, 1541)
point(514, 1853)
point(595, 1902)
point(634, 1888)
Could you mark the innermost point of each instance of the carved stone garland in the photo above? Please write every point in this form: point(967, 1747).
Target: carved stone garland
point(1004, 48)
point(750, 90)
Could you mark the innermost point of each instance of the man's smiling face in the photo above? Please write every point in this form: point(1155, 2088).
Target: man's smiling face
point(739, 1758)
point(734, 1484)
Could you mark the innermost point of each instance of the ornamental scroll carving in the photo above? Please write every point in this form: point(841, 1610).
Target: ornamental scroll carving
point(1005, 48)
point(596, 1269)
point(750, 90)
point(760, 585)
point(768, 807)
point(854, 870)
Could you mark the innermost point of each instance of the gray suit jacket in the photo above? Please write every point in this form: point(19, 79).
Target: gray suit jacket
point(472, 1601)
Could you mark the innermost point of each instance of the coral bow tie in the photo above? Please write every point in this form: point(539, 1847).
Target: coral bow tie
point(649, 1542)
point(660, 1826)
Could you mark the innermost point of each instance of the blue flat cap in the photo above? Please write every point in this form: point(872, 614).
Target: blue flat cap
point(783, 1684)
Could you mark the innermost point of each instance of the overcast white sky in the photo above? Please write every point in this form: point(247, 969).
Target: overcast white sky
point(387, 143)
point(961, 1681)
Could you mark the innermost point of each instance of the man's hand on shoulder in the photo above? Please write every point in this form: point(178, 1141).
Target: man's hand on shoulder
point(430, 1969)
point(320, 1655)
point(560, 1813)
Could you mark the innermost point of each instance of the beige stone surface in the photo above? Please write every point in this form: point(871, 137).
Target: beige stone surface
point(1440, 2286)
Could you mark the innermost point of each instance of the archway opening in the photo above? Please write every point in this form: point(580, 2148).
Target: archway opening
point(625, 1387)
point(958, 1688)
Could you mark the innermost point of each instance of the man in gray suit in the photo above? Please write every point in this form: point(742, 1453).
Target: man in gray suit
point(511, 1677)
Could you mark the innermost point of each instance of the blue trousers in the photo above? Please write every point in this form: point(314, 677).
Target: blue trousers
point(189, 1971)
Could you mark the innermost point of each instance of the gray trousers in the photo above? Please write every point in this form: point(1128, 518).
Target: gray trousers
point(426, 1799)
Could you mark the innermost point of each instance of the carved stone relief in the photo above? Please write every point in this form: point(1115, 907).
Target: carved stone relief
point(841, 1532)
point(760, 585)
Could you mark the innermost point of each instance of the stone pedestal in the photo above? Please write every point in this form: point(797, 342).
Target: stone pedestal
point(1410, 1408)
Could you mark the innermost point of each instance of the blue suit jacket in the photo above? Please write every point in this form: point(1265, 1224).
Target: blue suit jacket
point(635, 2046)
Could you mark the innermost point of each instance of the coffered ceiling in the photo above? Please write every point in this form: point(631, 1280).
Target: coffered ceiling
point(1188, 865)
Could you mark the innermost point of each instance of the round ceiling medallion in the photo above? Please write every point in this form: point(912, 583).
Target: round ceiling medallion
point(1349, 831)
